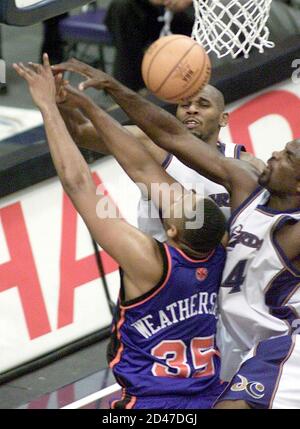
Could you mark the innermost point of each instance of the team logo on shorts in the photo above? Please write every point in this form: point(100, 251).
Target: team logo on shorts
point(201, 274)
point(253, 388)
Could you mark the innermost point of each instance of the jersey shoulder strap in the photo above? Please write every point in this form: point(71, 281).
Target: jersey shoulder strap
point(232, 150)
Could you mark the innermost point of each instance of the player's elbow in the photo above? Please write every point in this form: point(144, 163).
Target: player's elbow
point(75, 182)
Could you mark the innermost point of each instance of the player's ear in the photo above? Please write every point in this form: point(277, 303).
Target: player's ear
point(171, 231)
point(224, 119)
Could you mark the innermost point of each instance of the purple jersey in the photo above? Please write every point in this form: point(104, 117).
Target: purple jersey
point(163, 343)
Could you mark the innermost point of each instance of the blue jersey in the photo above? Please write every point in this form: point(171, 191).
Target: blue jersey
point(163, 343)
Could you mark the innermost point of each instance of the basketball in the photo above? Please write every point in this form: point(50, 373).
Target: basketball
point(175, 68)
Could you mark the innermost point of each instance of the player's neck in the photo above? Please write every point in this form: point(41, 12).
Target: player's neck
point(212, 141)
point(282, 203)
point(188, 251)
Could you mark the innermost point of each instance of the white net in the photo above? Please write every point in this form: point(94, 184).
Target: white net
point(232, 26)
point(166, 18)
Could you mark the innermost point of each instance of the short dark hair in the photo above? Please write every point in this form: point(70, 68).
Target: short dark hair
point(207, 237)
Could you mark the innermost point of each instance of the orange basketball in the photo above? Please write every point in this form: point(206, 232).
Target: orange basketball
point(175, 68)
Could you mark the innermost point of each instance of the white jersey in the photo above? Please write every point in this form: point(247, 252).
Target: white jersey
point(260, 294)
point(148, 215)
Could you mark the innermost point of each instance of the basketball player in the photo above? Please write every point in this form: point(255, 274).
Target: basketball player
point(259, 298)
point(163, 337)
point(203, 115)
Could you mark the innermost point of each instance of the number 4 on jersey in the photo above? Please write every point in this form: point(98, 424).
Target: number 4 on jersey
point(236, 278)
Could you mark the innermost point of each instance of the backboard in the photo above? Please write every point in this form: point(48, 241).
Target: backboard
point(28, 12)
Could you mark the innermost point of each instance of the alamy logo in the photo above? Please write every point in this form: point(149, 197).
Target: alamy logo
point(296, 73)
point(2, 72)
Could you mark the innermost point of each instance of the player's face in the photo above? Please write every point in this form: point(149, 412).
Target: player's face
point(282, 174)
point(181, 211)
point(201, 115)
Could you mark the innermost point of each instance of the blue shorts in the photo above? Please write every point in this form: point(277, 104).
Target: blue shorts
point(269, 377)
point(186, 402)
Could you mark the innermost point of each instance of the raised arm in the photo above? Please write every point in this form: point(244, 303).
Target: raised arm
point(136, 160)
point(167, 132)
point(83, 131)
point(137, 253)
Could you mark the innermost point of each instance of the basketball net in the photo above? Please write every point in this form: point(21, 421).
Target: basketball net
point(232, 26)
point(166, 18)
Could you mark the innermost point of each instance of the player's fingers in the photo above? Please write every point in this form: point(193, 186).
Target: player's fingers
point(73, 65)
point(27, 70)
point(36, 67)
point(20, 69)
point(59, 80)
point(24, 67)
point(58, 77)
point(46, 62)
point(89, 83)
point(59, 68)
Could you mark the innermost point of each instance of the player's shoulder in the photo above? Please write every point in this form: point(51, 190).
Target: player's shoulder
point(255, 162)
point(238, 151)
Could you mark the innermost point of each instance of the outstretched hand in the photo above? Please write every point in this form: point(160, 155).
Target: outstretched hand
point(95, 78)
point(40, 81)
point(67, 96)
